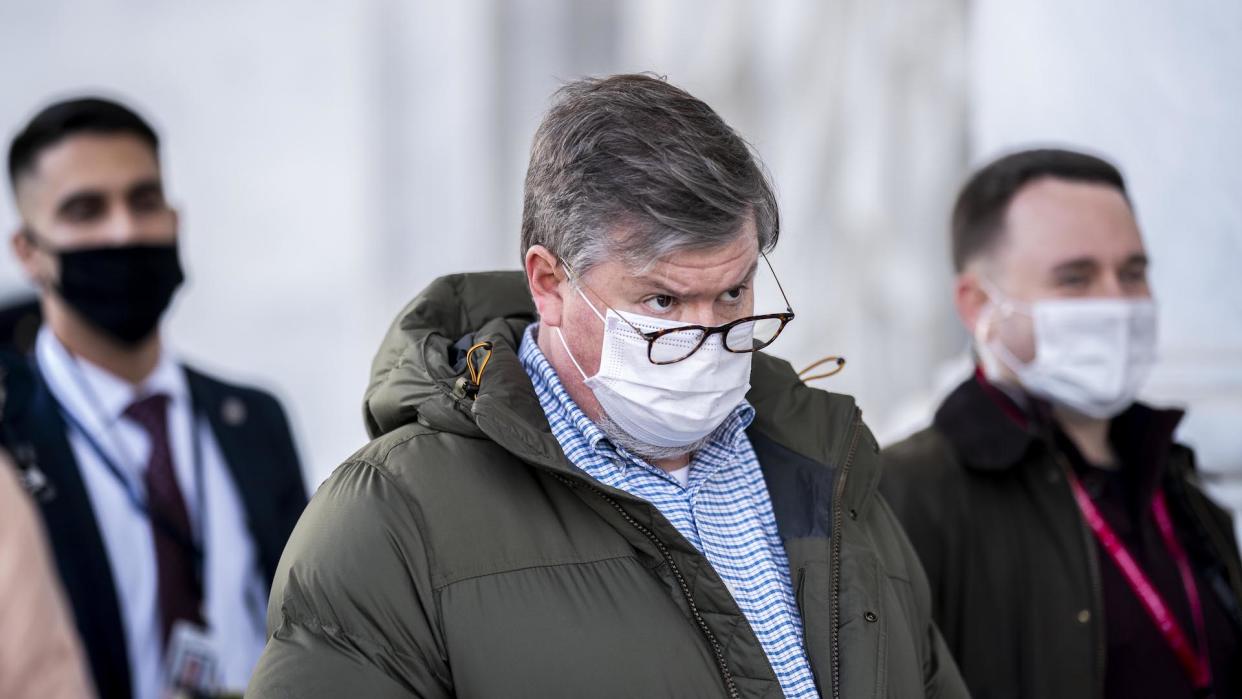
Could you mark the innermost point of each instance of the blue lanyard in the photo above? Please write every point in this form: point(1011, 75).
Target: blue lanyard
point(138, 500)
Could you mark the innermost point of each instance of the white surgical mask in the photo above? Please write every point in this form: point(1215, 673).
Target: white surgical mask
point(1091, 355)
point(665, 405)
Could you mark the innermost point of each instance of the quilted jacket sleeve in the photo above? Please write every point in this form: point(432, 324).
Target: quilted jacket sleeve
point(352, 610)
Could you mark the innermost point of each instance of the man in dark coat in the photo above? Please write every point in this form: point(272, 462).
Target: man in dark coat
point(556, 503)
point(1070, 550)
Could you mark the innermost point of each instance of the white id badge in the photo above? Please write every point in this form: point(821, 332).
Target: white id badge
point(191, 664)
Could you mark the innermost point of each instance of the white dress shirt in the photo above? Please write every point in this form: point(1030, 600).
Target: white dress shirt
point(234, 595)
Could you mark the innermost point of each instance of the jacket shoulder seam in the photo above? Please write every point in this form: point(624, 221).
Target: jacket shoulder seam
point(380, 461)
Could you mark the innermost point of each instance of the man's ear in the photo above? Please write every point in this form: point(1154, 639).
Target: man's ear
point(970, 299)
point(544, 275)
point(32, 261)
point(22, 249)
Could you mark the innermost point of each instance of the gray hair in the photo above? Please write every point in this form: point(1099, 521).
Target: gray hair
point(634, 152)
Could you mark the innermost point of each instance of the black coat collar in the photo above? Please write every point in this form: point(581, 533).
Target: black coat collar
point(987, 429)
point(990, 431)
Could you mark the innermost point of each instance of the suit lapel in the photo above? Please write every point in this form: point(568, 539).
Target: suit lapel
point(235, 430)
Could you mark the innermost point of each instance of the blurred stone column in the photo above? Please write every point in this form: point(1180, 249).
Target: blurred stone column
point(858, 107)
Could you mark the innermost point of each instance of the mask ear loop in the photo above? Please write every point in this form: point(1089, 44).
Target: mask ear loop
point(573, 359)
point(573, 279)
point(38, 243)
point(998, 303)
point(840, 361)
point(592, 306)
point(999, 300)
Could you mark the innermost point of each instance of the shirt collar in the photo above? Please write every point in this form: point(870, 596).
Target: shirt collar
point(96, 396)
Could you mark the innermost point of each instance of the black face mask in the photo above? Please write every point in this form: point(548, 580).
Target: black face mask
point(121, 290)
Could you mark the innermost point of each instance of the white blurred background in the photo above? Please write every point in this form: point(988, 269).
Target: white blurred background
point(331, 158)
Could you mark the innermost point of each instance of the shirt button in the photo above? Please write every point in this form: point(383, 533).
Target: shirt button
point(1084, 616)
point(871, 616)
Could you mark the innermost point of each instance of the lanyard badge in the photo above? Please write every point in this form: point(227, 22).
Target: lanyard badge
point(191, 664)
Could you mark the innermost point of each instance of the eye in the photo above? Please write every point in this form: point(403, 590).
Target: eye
point(1074, 281)
point(660, 303)
point(734, 295)
point(83, 209)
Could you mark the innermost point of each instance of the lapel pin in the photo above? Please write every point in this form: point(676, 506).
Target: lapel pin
point(233, 411)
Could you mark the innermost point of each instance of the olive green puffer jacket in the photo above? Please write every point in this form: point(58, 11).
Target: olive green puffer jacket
point(461, 554)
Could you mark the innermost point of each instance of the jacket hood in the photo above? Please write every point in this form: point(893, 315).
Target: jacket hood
point(416, 374)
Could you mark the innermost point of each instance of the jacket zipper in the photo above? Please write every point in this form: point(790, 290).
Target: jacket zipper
point(838, 521)
point(1097, 587)
point(798, 589)
point(722, 664)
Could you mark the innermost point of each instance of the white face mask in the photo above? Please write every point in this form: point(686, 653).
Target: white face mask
point(667, 405)
point(1091, 355)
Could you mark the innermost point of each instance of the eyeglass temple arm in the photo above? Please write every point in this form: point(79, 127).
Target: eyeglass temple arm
point(778, 282)
point(573, 277)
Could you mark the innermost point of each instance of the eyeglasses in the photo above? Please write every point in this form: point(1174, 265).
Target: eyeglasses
point(741, 336)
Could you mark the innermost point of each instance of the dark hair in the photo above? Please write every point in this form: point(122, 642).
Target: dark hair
point(64, 119)
point(979, 214)
point(635, 150)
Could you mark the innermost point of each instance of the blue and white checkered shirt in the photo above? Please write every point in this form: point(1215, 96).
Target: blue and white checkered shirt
point(724, 511)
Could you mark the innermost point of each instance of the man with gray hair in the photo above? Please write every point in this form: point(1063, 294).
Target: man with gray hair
point(586, 481)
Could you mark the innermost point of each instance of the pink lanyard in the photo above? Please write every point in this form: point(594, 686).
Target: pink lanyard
point(1197, 665)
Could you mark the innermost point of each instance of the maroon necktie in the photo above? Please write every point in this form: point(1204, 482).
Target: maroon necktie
point(180, 593)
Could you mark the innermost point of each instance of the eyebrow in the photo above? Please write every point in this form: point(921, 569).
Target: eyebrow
point(1087, 264)
point(659, 287)
point(150, 184)
point(144, 186)
point(77, 197)
point(1081, 264)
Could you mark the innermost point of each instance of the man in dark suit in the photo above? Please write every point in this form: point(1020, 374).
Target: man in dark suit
point(167, 494)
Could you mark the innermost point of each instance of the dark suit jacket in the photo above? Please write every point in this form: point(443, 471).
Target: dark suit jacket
point(254, 437)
